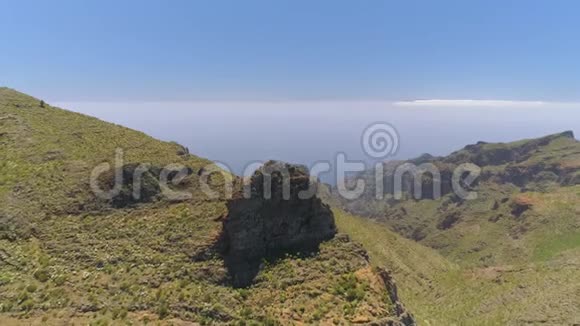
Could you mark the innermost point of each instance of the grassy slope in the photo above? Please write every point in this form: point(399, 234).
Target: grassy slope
point(135, 264)
point(488, 233)
point(65, 257)
point(509, 269)
point(443, 293)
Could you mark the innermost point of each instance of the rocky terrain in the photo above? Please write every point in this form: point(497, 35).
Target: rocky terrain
point(267, 224)
point(68, 256)
point(275, 253)
point(514, 178)
point(519, 235)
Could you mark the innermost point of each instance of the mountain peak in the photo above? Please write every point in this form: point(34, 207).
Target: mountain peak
point(567, 134)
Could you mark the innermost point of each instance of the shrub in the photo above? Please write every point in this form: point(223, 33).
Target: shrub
point(349, 288)
point(163, 310)
point(31, 288)
point(59, 280)
point(27, 305)
point(42, 275)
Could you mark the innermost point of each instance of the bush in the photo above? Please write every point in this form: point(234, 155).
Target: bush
point(349, 288)
point(119, 313)
point(163, 310)
point(27, 305)
point(59, 280)
point(41, 275)
point(31, 288)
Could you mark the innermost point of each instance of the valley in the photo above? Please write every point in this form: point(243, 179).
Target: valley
point(510, 256)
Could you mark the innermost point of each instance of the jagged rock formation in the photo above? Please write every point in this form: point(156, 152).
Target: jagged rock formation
point(278, 212)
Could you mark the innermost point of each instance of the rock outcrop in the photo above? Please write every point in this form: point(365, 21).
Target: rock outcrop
point(405, 317)
point(140, 183)
point(277, 212)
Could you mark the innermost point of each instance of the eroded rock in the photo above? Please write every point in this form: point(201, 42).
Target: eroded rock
point(278, 212)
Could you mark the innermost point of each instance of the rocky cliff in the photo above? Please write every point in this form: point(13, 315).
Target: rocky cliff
point(277, 212)
point(69, 256)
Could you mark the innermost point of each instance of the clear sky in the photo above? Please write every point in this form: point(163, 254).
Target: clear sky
point(300, 50)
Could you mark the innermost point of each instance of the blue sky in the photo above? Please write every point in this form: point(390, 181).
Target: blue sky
point(291, 50)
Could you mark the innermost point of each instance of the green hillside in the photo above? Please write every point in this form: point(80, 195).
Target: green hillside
point(69, 257)
point(515, 248)
point(442, 293)
point(511, 256)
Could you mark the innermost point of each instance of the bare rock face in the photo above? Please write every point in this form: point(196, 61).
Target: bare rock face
point(278, 212)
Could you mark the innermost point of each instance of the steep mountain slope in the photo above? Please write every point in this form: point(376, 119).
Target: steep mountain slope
point(68, 256)
point(517, 245)
point(527, 193)
point(442, 293)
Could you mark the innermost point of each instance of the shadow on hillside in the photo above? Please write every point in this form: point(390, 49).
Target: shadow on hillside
point(243, 270)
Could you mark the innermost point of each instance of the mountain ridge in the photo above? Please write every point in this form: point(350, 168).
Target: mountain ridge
point(519, 235)
point(508, 257)
point(70, 256)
